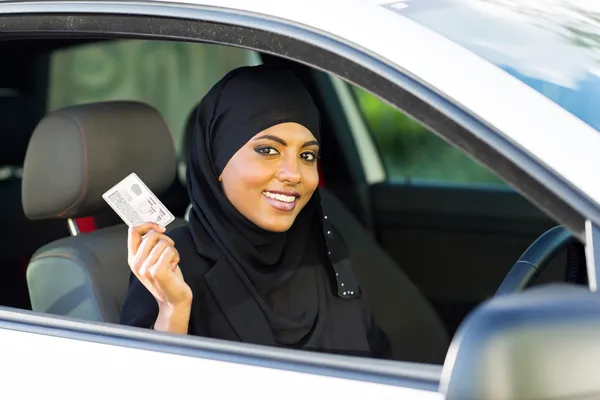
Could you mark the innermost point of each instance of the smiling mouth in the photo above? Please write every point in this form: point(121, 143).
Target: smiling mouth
point(280, 201)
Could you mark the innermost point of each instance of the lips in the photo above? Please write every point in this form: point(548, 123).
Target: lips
point(282, 201)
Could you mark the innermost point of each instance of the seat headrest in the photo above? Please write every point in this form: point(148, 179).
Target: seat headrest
point(18, 117)
point(77, 153)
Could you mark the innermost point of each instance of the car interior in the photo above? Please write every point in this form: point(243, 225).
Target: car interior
point(426, 250)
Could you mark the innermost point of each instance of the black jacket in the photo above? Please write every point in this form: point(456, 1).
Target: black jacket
point(223, 308)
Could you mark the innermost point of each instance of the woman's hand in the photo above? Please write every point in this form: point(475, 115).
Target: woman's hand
point(154, 260)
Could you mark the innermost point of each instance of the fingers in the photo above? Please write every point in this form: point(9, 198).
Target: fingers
point(134, 237)
point(156, 252)
point(159, 271)
point(168, 256)
point(151, 240)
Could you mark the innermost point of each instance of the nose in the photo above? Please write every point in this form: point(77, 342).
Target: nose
point(289, 170)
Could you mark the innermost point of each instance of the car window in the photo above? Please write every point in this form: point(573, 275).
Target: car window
point(171, 76)
point(412, 153)
point(553, 48)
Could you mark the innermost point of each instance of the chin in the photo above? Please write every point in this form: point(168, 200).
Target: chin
point(279, 229)
point(276, 225)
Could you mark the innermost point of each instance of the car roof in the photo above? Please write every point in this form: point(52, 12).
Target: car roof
point(524, 116)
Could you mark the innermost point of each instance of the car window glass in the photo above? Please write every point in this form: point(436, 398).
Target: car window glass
point(171, 76)
point(412, 153)
point(552, 48)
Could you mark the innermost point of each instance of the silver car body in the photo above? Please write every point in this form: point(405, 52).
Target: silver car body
point(56, 364)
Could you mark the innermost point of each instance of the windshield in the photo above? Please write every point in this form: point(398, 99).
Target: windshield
point(551, 45)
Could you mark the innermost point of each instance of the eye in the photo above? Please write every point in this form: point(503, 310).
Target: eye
point(309, 156)
point(266, 151)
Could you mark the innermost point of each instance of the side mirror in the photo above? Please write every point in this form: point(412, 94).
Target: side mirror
point(543, 343)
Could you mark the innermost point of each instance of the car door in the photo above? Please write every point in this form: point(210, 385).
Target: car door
point(65, 359)
point(121, 351)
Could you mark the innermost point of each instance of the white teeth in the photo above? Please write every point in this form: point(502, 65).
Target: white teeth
point(280, 197)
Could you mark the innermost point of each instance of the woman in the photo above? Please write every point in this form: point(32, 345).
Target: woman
point(258, 262)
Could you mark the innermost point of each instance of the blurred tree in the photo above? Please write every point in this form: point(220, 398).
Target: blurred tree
point(411, 152)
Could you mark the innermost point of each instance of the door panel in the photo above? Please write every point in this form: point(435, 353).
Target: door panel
point(458, 243)
point(110, 361)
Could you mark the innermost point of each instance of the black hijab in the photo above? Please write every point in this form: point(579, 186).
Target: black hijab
point(282, 271)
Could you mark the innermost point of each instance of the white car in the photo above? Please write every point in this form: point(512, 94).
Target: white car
point(456, 132)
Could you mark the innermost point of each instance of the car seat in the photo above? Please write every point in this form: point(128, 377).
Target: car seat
point(74, 156)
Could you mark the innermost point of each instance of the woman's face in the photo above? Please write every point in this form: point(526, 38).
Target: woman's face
point(272, 177)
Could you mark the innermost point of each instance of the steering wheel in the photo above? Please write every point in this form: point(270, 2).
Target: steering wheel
point(535, 259)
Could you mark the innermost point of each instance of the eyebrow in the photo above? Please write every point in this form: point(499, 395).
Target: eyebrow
point(284, 143)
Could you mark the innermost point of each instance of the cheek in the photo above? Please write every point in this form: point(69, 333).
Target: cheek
point(311, 179)
point(243, 175)
point(253, 177)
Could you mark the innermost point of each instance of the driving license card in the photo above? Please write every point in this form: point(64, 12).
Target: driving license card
point(135, 203)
